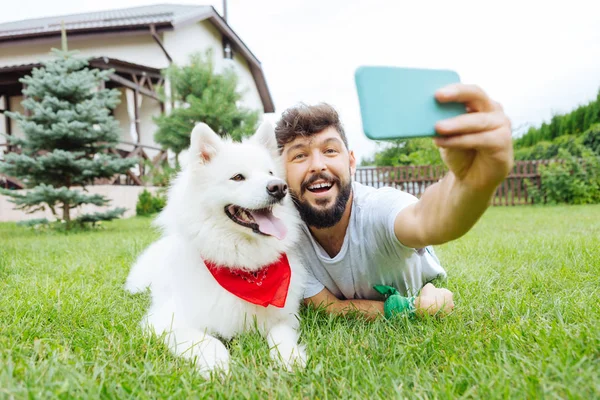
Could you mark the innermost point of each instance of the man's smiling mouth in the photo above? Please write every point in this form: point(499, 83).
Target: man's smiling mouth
point(320, 187)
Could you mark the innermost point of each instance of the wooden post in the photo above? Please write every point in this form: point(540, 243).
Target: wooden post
point(7, 121)
point(511, 182)
point(27, 112)
point(519, 174)
point(63, 36)
point(136, 113)
point(526, 169)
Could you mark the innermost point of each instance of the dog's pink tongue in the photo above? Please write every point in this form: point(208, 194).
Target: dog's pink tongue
point(269, 224)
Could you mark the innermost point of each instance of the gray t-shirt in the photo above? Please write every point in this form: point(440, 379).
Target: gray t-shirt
point(371, 254)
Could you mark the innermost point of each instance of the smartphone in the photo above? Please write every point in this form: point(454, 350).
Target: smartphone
point(399, 103)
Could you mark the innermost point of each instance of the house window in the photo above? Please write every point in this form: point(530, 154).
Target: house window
point(227, 50)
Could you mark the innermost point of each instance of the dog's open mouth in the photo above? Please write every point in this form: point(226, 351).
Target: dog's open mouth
point(260, 221)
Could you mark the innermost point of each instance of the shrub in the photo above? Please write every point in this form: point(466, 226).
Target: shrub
point(591, 139)
point(148, 204)
point(572, 180)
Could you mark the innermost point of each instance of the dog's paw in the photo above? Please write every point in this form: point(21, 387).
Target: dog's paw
point(215, 366)
point(208, 355)
point(213, 361)
point(289, 358)
point(218, 371)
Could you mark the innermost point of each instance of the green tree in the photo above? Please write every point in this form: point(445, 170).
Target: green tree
point(576, 122)
point(554, 127)
point(591, 115)
point(565, 125)
point(579, 119)
point(421, 151)
point(68, 130)
point(544, 133)
point(202, 95)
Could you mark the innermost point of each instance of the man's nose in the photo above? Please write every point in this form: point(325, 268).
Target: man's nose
point(277, 188)
point(317, 163)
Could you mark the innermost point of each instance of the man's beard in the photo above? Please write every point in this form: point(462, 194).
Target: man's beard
point(325, 218)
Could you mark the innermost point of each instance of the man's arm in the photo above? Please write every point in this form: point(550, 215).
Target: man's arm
point(477, 148)
point(445, 212)
point(371, 309)
point(430, 301)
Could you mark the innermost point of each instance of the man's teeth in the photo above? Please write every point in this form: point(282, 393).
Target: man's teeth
point(319, 186)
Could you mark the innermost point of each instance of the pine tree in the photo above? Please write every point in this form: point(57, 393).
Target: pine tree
point(68, 131)
point(203, 96)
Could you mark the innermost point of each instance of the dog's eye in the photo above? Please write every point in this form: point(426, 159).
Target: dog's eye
point(270, 172)
point(238, 178)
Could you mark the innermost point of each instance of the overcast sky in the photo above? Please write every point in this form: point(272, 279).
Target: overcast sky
point(534, 57)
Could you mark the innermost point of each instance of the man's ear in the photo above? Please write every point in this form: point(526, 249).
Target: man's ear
point(352, 162)
point(204, 144)
point(265, 136)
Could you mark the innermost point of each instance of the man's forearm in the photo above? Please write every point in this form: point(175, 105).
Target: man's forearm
point(448, 209)
point(370, 309)
point(430, 301)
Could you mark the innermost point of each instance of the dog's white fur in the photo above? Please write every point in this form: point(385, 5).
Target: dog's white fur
point(187, 303)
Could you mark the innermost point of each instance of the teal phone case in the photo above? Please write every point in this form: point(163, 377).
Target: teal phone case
point(397, 103)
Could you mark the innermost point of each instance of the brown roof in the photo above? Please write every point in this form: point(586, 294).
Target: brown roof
point(129, 17)
point(161, 17)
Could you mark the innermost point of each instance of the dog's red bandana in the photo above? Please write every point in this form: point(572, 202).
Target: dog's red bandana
point(268, 285)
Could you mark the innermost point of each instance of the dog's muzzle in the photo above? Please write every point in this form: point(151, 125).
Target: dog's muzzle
point(277, 189)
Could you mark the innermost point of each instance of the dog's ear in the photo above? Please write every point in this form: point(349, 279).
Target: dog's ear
point(204, 143)
point(265, 136)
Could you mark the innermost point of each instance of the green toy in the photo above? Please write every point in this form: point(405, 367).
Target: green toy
point(395, 303)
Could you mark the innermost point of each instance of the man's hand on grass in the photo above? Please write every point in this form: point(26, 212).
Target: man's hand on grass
point(432, 300)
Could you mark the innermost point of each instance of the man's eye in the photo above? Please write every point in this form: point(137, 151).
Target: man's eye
point(238, 178)
point(298, 156)
point(330, 151)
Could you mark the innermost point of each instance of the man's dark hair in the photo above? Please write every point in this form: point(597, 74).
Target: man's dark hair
point(304, 120)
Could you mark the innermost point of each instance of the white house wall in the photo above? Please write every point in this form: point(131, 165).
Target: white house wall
point(139, 49)
point(121, 115)
point(192, 38)
point(148, 109)
point(251, 98)
point(198, 37)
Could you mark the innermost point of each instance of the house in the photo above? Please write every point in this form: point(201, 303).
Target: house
point(137, 43)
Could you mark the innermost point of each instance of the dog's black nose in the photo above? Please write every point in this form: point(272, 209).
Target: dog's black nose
point(277, 188)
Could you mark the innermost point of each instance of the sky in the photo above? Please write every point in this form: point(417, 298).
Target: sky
point(534, 57)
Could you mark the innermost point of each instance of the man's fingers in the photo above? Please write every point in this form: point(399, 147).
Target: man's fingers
point(427, 289)
point(498, 106)
point(471, 95)
point(494, 139)
point(471, 123)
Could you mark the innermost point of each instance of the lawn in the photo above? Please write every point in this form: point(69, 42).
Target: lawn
point(526, 324)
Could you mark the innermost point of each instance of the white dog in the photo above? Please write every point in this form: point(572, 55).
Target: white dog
point(220, 267)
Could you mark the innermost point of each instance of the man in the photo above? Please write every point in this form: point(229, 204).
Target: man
point(356, 237)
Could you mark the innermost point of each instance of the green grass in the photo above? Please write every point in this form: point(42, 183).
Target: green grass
point(526, 324)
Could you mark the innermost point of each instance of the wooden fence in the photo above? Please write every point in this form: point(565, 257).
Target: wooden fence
point(415, 179)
